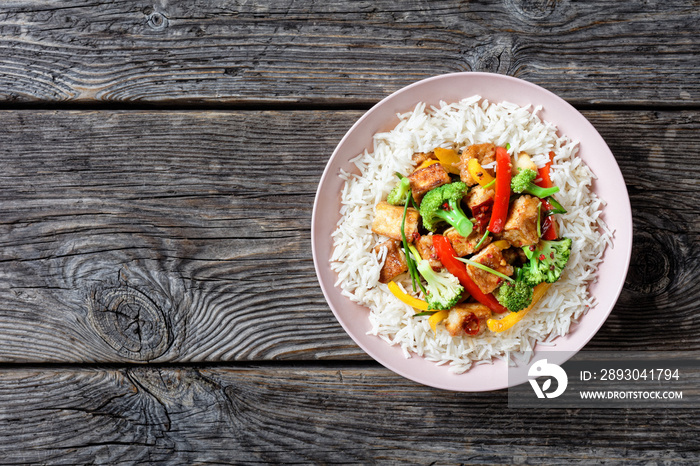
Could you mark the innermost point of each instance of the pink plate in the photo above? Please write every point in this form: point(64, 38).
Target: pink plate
point(610, 186)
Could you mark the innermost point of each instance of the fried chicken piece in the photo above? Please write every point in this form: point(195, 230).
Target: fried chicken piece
point(387, 221)
point(427, 178)
point(427, 251)
point(478, 195)
point(461, 316)
point(395, 262)
point(492, 257)
point(520, 228)
point(483, 153)
point(420, 157)
point(465, 246)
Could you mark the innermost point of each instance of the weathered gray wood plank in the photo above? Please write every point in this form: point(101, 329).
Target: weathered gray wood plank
point(658, 305)
point(273, 415)
point(184, 236)
point(151, 235)
point(337, 52)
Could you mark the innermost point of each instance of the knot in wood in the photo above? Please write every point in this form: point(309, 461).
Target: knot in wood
point(130, 322)
point(651, 269)
point(171, 386)
point(157, 21)
point(494, 57)
point(535, 9)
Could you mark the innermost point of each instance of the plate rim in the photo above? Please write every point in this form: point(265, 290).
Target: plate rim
point(454, 384)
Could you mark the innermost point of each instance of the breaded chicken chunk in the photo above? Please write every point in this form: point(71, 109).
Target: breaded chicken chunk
point(520, 228)
point(427, 251)
point(395, 262)
point(465, 246)
point(387, 221)
point(491, 257)
point(483, 153)
point(461, 316)
point(427, 178)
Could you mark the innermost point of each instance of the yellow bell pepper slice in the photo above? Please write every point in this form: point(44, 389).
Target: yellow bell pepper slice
point(449, 158)
point(501, 325)
point(436, 318)
point(501, 244)
point(427, 163)
point(478, 173)
point(406, 298)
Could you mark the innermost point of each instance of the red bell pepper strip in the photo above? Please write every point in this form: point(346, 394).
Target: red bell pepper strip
point(502, 196)
point(549, 228)
point(543, 174)
point(446, 254)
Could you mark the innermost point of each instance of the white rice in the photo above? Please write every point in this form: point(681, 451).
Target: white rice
point(471, 121)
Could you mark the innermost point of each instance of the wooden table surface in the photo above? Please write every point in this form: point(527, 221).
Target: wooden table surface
point(158, 300)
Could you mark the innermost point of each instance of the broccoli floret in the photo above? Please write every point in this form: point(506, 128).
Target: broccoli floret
point(523, 183)
point(443, 204)
point(517, 295)
point(443, 290)
point(533, 274)
point(397, 196)
point(546, 260)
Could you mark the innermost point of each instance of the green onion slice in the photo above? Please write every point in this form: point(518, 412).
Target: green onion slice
point(558, 208)
point(412, 270)
point(481, 241)
point(485, 268)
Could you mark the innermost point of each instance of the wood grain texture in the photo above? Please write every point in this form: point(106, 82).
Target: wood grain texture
point(658, 305)
point(336, 52)
point(171, 249)
point(309, 415)
point(184, 236)
point(141, 236)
